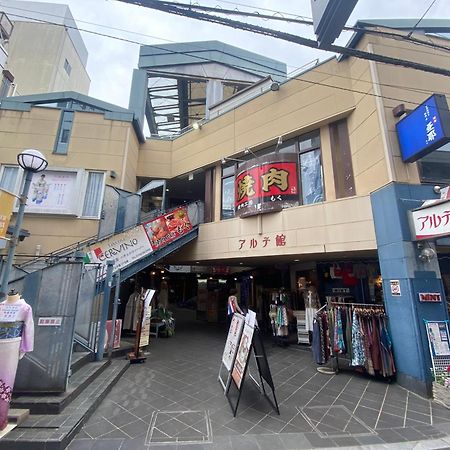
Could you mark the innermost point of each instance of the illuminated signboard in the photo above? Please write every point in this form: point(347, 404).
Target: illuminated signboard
point(266, 184)
point(425, 129)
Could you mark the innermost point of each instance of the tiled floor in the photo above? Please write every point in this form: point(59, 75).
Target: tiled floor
point(175, 401)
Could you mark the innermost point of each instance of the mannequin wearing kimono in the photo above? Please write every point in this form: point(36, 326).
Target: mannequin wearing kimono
point(16, 339)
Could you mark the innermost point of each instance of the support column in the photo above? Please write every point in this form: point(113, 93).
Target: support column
point(398, 256)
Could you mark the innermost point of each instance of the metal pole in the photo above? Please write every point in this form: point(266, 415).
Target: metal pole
point(15, 237)
point(114, 314)
point(104, 312)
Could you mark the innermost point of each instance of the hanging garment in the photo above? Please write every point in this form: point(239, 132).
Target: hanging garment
point(348, 331)
point(339, 345)
point(366, 342)
point(132, 310)
point(375, 343)
point(273, 318)
point(317, 342)
point(358, 354)
point(282, 321)
point(16, 339)
point(386, 350)
point(325, 330)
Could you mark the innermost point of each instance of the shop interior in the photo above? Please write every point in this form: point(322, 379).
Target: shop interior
point(285, 297)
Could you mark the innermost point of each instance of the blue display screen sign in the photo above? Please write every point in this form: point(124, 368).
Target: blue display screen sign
point(425, 129)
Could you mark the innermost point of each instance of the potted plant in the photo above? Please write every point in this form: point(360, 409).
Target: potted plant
point(165, 316)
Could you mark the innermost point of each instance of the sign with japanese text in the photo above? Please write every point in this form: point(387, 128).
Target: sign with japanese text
point(431, 221)
point(430, 297)
point(117, 331)
point(425, 129)
point(168, 227)
point(265, 241)
point(53, 192)
point(123, 248)
point(50, 321)
point(266, 184)
point(234, 335)
point(242, 355)
point(438, 338)
point(9, 312)
point(145, 330)
point(6, 208)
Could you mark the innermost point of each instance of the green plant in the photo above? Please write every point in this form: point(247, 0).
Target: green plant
point(166, 316)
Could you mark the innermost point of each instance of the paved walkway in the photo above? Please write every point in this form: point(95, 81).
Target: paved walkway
point(174, 401)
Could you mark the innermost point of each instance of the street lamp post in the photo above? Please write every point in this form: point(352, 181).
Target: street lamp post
point(31, 161)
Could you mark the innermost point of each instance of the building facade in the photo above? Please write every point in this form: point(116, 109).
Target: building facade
point(335, 121)
point(46, 52)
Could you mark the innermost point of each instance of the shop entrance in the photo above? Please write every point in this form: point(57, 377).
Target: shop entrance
point(284, 297)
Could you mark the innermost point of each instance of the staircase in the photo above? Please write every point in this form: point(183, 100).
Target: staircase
point(56, 419)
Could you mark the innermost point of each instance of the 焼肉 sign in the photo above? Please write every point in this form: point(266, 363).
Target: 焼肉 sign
point(266, 184)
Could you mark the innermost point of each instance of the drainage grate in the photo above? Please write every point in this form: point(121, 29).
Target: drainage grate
point(180, 427)
point(335, 421)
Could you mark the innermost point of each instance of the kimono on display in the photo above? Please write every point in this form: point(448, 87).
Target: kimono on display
point(16, 339)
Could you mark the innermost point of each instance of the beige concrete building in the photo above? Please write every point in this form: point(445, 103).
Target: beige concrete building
point(46, 52)
point(341, 110)
point(292, 174)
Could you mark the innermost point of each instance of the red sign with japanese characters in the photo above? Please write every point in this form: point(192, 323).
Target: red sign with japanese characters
point(266, 184)
point(165, 229)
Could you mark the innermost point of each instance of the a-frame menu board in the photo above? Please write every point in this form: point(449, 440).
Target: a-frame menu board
point(250, 339)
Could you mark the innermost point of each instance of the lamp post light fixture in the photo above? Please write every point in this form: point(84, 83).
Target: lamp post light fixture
point(31, 161)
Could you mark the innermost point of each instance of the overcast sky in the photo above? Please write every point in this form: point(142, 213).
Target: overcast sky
point(111, 61)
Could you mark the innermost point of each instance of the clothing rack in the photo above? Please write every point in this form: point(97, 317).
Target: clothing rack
point(352, 305)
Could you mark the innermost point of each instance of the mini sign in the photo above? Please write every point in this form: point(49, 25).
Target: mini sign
point(395, 288)
point(430, 297)
point(50, 321)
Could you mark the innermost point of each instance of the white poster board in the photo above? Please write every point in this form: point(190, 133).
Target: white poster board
point(53, 192)
point(243, 354)
point(231, 345)
point(438, 338)
point(145, 330)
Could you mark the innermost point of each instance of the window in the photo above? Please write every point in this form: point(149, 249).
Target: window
point(435, 167)
point(311, 177)
point(9, 178)
point(228, 191)
point(65, 127)
point(67, 67)
point(94, 193)
point(310, 168)
point(344, 182)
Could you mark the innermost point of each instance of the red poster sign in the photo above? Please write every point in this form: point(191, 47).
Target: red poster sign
point(266, 184)
point(167, 228)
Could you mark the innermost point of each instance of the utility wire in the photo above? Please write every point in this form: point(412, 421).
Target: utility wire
point(389, 35)
point(169, 8)
point(165, 50)
point(302, 21)
point(420, 20)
